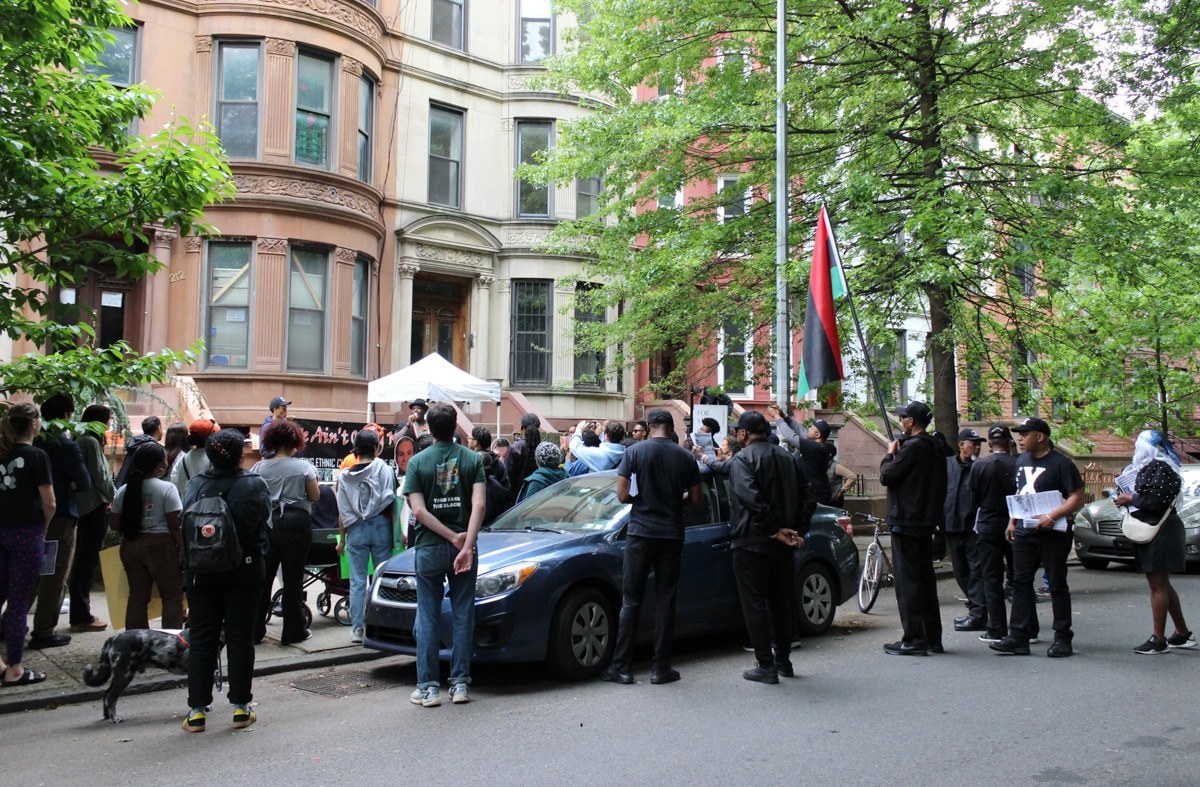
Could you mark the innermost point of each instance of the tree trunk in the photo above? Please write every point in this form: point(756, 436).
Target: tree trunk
point(945, 375)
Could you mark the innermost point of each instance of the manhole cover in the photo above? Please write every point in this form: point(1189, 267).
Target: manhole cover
point(340, 684)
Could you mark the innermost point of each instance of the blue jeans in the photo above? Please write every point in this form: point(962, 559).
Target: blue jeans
point(435, 565)
point(370, 539)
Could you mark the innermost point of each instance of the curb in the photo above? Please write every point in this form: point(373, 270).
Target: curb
point(168, 681)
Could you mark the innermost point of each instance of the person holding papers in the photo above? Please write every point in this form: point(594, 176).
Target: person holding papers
point(1049, 492)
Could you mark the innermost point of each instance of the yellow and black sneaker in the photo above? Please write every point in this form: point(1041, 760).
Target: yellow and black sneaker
point(194, 721)
point(243, 717)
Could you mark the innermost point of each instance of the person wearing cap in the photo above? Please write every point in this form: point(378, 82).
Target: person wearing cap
point(1044, 540)
point(653, 477)
point(771, 506)
point(278, 408)
point(992, 480)
point(959, 521)
point(808, 443)
point(416, 425)
point(914, 472)
point(195, 461)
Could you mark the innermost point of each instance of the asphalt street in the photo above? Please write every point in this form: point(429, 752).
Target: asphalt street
point(853, 716)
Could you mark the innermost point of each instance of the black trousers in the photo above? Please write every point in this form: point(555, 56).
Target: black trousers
point(964, 558)
point(766, 580)
point(641, 556)
point(916, 588)
point(228, 602)
point(991, 548)
point(1049, 549)
point(89, 534)
point(290, 539)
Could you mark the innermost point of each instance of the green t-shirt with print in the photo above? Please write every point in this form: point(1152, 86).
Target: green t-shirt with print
point(445, 474)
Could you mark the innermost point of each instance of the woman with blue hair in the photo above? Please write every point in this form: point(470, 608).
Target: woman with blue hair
point(1156, 486)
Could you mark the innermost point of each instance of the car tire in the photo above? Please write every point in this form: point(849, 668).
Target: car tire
point(1093, 563)
point(583, 633)
point(815, 600)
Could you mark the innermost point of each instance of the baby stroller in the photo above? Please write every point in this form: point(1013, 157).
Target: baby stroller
point(323, 565)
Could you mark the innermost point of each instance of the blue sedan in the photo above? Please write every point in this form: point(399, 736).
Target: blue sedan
point(550, 578)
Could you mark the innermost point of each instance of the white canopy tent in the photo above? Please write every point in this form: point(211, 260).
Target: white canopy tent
point(436, 379)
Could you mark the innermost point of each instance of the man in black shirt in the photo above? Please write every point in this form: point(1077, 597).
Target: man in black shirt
point(992, 480)
point(771, 506)
point(809, 443)
point(960, 533)
point(653, 476)
point(1045, 539)
point(914, 472)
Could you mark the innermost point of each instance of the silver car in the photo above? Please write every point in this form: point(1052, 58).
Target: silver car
point(1098, 539)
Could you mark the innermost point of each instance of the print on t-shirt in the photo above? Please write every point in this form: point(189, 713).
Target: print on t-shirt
point(447, 474)
point(8, 476)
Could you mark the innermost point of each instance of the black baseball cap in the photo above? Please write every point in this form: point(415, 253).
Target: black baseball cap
point(918, 411)
point(1032, 425)
point(660, 416)
point(969, 435)
point(278, 401)
point(822, 428)
point(753, 422)
point(999, 432)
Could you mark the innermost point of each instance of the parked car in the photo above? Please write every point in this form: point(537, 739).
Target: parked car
point(550, 578)
point(1098, 539)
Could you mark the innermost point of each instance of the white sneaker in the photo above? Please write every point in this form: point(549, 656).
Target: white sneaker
point(458, 694)
point(429, 698)
point(356, 636)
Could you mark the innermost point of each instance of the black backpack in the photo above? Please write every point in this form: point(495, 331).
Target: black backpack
point(210, 537)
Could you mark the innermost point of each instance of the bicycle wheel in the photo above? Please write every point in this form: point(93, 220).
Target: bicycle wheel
point(868, 585)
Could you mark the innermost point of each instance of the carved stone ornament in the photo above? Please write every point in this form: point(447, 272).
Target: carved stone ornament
point(484, 282)
point(564, 289)
point(455, 256)
point(203, 44)
point(273, 186)
point(281, 46)
point(524, 237)
point(192, 244)
point(272, 245)
point(506, 125)
point(406, 270)
point(346, 256)
point(164, 237)
point(344, 13)
point(351, 66)
point(516, 82)
point(504, 286)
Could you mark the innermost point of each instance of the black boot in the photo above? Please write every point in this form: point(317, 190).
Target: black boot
point(762, 673)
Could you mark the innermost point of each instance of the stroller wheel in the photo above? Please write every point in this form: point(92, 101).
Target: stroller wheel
point(323, 603)
point(341, 611)
point(276, 609)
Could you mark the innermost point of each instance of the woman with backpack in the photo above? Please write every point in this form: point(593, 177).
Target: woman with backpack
point(224, 600)
point(365, 494)
point(146, 513)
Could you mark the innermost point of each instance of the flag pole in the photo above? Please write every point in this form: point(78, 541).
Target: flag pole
point(862, 342)
point(783, 340)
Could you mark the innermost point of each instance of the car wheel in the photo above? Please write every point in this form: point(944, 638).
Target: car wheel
point(815, 603)
point(1094, 563)
point(583, 634)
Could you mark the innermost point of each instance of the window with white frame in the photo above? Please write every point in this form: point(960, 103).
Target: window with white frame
point(308, 270)
point(732, 198)
point(360, 307)
point(734, 358)
point(445, 156)
point(366, 127)
point(447, 23)
point(537, 31)
point(238, 76)
point(228, 340)
point(533, 140)
point(314, 109)
point(1025, 385)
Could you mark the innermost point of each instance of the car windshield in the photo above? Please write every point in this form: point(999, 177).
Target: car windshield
point(587, 502)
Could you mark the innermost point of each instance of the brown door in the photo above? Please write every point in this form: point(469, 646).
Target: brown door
point(112, 306)
point(439, 322)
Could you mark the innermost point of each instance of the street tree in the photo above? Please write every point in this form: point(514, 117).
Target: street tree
point(947, 138)
point(79, 193)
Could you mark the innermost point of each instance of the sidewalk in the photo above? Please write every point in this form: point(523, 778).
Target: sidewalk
point(330, 645)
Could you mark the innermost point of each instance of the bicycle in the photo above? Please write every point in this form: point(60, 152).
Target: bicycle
point(877, 568)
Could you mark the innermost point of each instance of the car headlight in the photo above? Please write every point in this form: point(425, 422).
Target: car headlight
point(502, 580)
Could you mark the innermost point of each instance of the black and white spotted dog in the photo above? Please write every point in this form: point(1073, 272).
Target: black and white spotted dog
point(130, 652)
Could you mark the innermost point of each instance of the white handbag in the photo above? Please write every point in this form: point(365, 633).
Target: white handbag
point(1140, 532)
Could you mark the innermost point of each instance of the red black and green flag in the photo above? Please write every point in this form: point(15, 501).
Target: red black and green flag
point(821, 349)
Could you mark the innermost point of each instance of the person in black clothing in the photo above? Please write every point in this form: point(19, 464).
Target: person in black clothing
point(810, 450)
point(152, 431)
point(959, 524)
point(1045, 540)
point(481, 441)
point(228, 600)
point(771, 506)
point(653, 476)
point(992, 480)
point(914, 472)
point(521, 460)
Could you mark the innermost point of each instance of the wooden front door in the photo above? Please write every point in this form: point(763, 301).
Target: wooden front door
point(439, 321)
point(111, 305)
